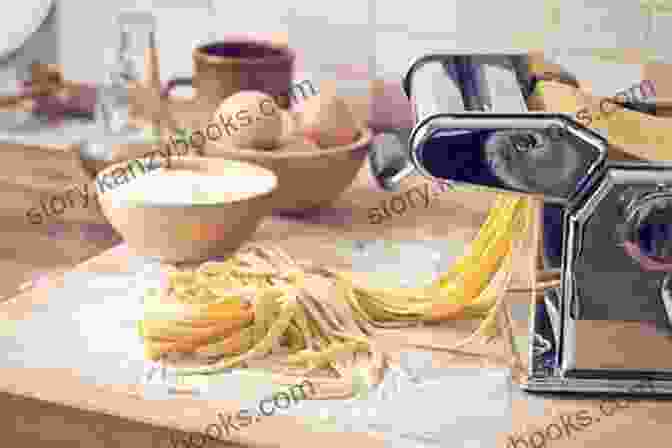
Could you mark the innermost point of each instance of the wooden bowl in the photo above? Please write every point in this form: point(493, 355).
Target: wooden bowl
point(182, 229)
point(307, 179)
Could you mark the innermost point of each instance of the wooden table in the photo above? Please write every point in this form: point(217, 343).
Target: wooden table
point(30, 175)
point(33, 398)
point(54, 408)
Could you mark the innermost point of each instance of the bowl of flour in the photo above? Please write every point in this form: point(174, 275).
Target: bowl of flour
point(186, 209)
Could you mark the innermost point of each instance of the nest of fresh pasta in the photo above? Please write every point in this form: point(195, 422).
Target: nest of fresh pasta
point(261, 308)
point(256, 309)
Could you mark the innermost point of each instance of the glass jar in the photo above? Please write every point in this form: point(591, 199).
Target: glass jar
point(137, 34)
point(128, 68)
point(113, 108)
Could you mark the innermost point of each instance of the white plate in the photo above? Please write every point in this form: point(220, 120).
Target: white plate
point(19, 22)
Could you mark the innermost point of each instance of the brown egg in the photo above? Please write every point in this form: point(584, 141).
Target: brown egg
point(327, 120)
point(251, 119)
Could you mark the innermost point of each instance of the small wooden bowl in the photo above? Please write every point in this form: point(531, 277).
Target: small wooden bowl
point(307, 178)
point(177, 231)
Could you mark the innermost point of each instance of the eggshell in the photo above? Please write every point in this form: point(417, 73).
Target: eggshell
point(327, 120)
point(251, 119)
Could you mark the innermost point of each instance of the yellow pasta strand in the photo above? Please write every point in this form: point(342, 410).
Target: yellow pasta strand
point(271, 285)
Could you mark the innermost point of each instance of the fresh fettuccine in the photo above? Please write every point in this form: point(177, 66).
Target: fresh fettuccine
point(261, 301)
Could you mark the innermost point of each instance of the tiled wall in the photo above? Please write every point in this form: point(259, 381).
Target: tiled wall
point(330, 33)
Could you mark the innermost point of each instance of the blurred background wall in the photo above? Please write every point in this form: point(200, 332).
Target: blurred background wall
point(380, 35)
